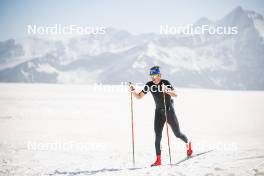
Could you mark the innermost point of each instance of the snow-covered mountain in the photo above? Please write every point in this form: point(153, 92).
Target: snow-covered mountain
point(207, 61)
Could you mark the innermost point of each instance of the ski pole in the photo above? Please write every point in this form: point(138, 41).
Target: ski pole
point(132, 125)
point(165, 113)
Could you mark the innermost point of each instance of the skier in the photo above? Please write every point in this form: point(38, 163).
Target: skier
point(157, 87)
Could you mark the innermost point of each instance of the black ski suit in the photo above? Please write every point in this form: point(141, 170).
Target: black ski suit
point(160, 118)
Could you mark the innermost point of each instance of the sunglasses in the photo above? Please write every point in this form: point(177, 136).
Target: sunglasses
point(155, 76)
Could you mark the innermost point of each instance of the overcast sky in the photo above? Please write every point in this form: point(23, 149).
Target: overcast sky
point(136, 16)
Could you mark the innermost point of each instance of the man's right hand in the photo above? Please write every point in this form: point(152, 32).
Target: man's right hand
point(133, 91)
point(131, 87)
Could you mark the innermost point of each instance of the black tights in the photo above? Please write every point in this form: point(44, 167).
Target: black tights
point(172, 121)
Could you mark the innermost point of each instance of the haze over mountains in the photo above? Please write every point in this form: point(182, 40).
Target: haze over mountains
point(204, 61)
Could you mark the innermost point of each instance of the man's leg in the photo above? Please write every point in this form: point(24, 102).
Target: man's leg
point(173, 122)
point(158, 127)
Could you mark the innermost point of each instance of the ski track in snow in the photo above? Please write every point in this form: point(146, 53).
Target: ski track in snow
point(229, 122)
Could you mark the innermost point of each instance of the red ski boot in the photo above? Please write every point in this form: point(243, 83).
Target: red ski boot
point(157, 162)
point(189, 149)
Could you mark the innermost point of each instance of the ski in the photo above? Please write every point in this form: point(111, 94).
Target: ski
point(193, 156)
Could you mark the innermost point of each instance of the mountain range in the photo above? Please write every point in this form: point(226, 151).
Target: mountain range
point(197, 61)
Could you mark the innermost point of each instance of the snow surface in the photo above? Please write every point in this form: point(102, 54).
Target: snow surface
point(93, 126)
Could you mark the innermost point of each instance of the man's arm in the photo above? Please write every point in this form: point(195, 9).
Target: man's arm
point(133, 91)
point(138, 95)
point(171, 93)
point(168, 89)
